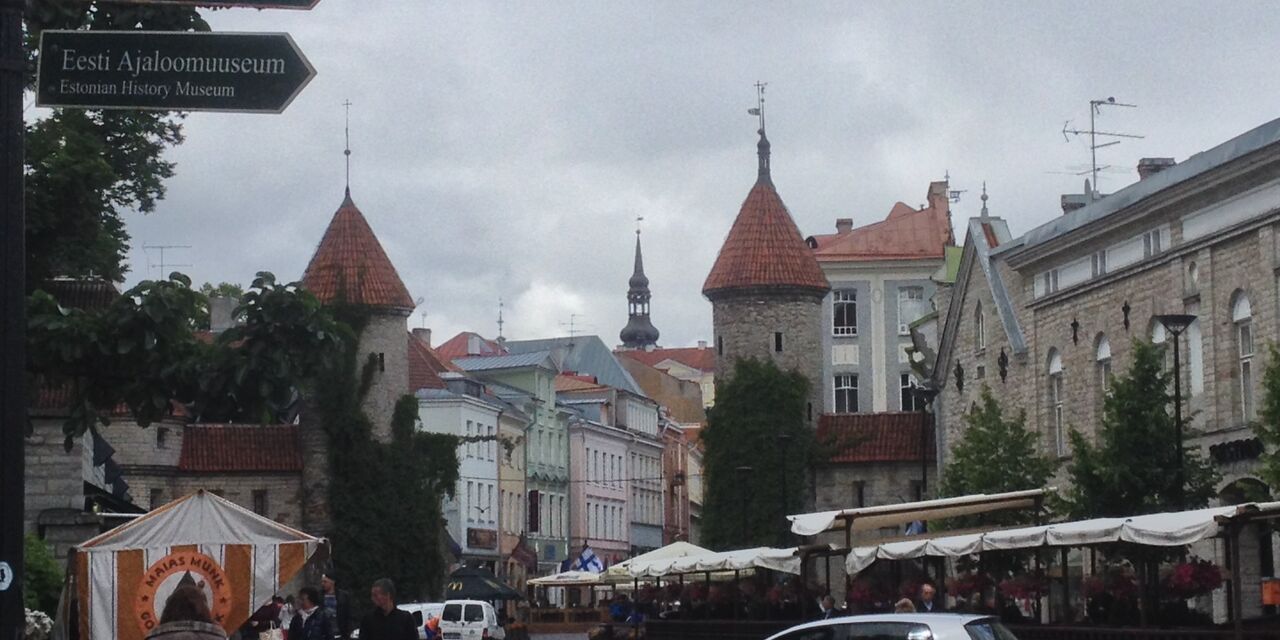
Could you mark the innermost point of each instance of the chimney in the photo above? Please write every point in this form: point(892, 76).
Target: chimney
point(1150, 166)
point(424, 335)
point(1073, 201)
point(221, 313)
point(702, 344)
point(473, 345)
point(844, 225)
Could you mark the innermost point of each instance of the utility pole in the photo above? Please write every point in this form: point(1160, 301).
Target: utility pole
point(13, 400)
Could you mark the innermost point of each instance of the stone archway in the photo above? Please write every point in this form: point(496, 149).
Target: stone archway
point(1244, 489)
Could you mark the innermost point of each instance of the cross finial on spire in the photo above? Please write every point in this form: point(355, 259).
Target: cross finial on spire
point(346, 104)
point(639, 219)
point(500, 321)
point(984, 199)
point(762, 147)
point(759, 110)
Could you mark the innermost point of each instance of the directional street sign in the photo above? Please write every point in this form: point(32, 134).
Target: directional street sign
point(170, 71)
point(259, 4)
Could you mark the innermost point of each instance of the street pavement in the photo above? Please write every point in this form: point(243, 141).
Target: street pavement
point(558, 636)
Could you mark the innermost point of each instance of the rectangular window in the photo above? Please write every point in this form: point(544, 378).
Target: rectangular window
point(844, 313)
point(162, 435)
point(911, 307)
point(846, 390)
point(1244, 338)
point(719, 346)
point(157, 498)
point(1056, 400)
point(1098, 263)
point(469, 507)
point(910, 400)
point(470, 432)
point(859, 494)
point(260, 501)
point(917, 491)
point(777, 341)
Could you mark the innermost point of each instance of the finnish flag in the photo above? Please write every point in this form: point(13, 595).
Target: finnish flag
point(587, 561)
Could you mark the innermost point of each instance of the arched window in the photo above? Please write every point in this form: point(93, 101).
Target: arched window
point(1057, 398)
point(1102, 355)
point(1242, 319)
point(979, 328)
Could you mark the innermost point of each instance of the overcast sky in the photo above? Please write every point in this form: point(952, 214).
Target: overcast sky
point(504, 149)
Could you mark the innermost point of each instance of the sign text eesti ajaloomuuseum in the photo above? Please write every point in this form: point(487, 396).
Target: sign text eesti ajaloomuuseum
point(173, 71)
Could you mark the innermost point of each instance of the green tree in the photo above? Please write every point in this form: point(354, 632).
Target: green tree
point(41, 577)
point(996, 454)
point(1132, 468)
point(759, 403)
point(1268, 425)
point(84, 167)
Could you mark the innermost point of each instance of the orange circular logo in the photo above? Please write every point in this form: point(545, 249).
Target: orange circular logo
point(182, 567)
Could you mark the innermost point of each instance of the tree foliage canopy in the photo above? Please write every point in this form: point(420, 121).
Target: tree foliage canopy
point(996, 454)
point(756, 406)
point(1268, 425)
point(1132, 468)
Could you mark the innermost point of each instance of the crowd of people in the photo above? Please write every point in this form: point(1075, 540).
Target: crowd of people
point(323, 613)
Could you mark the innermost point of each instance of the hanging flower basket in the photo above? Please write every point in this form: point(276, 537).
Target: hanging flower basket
point(968, 583)
point(1115, 581)
point(1191, 579)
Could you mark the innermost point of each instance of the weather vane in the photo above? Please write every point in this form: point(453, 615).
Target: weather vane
point(346, 104)
point(758, 110)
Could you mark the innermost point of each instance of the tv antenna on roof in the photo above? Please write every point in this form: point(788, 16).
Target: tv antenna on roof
point(161, 265)
point(1095, 108)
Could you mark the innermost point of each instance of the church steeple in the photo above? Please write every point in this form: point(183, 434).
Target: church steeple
point(639, 332)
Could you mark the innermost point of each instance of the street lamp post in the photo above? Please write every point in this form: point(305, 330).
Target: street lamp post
point(781, 440)
point(1175, 324)
point(925, 392)
point(744, 472)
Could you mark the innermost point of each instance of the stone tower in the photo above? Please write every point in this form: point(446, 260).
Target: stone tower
point(350, 267)
point(766, 289)
point(639, 332)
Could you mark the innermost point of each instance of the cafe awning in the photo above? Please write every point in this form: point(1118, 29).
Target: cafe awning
point(784, 560)
point(893, 515)
point(568, 579)
point(1158, 529)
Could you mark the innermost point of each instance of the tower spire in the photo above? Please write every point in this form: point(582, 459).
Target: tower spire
point(983, 214)
point(639, 332)
point(501, 338)
point(347, 151)
point(762, 147)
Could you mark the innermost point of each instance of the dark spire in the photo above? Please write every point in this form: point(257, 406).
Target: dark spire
point(346, 104)
point(762, 147)
point(639, 332)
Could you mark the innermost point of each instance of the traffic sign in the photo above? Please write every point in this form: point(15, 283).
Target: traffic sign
point(170, 71)
point(6, 576)
point(255, 4)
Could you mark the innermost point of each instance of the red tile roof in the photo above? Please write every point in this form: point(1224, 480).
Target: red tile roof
point(906, 234)
point(571, 382)
point(425, 366)
point(457, 347)
point(874, 437)
point(84, 294)
point(350, 266)
point(764, 249)
point(700, 358)
point(240, 447)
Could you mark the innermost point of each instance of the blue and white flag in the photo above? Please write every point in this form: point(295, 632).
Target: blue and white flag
point(587, 561)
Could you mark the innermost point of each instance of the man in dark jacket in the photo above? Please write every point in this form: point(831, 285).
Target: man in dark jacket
point(928, 602)
point(312, 622)
point(386, 622)
point(338, 603)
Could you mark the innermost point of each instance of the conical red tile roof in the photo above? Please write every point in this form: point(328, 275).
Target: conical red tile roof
point(350, 266)
point(764, 248)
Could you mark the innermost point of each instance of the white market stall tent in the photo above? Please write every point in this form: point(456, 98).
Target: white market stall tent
point(893, 515)
point(621, 572)
point(1158, 529)
point(118, 582)
point(783, 560)
point(568, 579)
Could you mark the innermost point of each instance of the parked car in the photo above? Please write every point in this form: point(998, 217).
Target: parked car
point(470, 620)
point(901, 626)
point(422, 611)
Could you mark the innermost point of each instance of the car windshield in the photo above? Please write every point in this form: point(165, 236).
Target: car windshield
point(475, 613)
point(989, 629)
point(452, 613)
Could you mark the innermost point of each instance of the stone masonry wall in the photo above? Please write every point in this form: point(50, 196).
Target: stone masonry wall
point(284, 490)
point(746, 324)
point(385, 334)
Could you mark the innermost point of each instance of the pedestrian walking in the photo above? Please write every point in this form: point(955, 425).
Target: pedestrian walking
point(386, 622)
point(312, 622)
point(338, 602)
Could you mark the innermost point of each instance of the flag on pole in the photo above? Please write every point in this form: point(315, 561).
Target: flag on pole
point(587, 561)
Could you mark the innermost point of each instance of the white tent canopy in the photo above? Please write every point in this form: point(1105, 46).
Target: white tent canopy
point(1157, 529)
point(568, 579)
point(621, 572)
point(892, 515)
point(784, 560)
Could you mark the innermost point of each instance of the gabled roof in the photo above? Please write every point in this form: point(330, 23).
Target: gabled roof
point(425, 366)
point(509, 361)
point(764, 248)
point(1237, 147)
point(985, 234)
point(240, 447)
point(700, 358)
point(906, 234)
point(874, 437)
point(571, 382)
point(350, 266)
point(460, 345)
point(89, 294)
point(682, 398)
point(583, 354)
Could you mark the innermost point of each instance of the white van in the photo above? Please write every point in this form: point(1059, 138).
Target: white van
point(470, 620)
